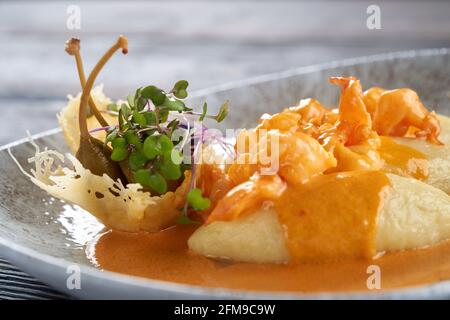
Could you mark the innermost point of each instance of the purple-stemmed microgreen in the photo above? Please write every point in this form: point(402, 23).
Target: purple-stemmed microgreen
point(144, 142)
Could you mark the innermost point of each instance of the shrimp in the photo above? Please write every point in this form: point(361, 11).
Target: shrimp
point(371, 99)
point(400, 109)
point(311, 111)
point(356, 144)
point(355, 124)
point(247, 196)
point(306, 117)
point(294, 155)
point(283, 121)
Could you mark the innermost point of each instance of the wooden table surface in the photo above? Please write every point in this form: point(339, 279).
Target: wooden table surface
point(207, 43)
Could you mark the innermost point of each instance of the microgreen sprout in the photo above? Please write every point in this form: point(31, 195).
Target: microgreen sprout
point(147, 122)
point(197, 201)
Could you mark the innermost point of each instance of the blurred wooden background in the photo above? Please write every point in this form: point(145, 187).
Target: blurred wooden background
point(205, 42)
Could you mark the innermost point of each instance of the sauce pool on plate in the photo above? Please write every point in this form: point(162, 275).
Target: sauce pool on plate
point(165, 256)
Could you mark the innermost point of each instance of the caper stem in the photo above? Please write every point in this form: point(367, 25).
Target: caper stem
point(73, 48)
point(121, 43)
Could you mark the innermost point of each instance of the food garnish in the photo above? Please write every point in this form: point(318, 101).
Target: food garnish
point(73, 49)
point(142, 147)
point(93, 153)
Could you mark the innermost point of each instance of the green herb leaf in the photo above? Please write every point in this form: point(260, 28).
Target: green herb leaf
point(139, 101)
point(152, 180)
point(133, 138)
point(119, 154)
point(142, 177)
point(223, 112)
point(179, 89)
point(152, 148)
point(184, 219)
point(157, 183)
point(150, 117)
point(205, 110)
point(130, 100)
point(169, 169)
point(112, 134)
point(163, 115)
point(165, 143)
point(137, 160)
point(139, 118)
point(172, 104)
point(197, 201)
point(126, 111)
point(121, 120)
point(172, 126)
point(156, 95)
point(119, 143)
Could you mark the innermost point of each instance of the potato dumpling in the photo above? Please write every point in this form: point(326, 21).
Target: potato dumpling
point(414, 214)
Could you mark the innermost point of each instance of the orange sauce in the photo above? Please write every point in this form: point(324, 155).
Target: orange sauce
point(403, 160)
point(165, 256)
point(333, 216)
